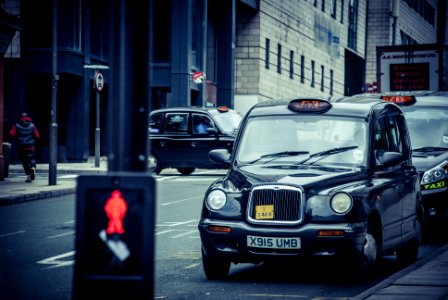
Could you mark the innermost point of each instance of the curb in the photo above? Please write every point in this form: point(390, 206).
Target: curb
point(394, 277)
point(35, 196)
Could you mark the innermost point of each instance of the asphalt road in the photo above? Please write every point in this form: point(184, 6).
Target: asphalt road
point(37, 254)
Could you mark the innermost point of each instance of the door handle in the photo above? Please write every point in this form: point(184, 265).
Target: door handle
point(194, 144)
point(162, 144)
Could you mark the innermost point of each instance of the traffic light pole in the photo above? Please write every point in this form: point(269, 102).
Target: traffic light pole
point(115, 212)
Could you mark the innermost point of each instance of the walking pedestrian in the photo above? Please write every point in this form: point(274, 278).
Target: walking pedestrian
point(26, 134)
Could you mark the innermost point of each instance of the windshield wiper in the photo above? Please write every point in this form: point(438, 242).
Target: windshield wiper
point(278, 155)
point(327, 153)
point(430, 149)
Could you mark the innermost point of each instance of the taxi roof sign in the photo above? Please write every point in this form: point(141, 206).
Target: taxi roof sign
point(223, 108)
point(309, 105)
point(399, 99)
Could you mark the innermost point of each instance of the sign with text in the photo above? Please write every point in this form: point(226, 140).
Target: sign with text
point(409, 77)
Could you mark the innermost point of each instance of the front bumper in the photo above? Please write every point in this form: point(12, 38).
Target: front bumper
point(233, 245)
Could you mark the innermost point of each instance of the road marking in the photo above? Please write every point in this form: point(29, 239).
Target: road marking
point(62, 234)
point(165, 231)
point(191, 266)
point(55, 261)
point(183, 234)
point(271, 296)
point(12, 233)
point(172, 224)
point(181, 200)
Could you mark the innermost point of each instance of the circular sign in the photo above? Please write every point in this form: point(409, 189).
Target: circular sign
point(99, 81)
point(198, 77)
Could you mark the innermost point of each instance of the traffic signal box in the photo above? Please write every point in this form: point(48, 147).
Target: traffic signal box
point(114, 236)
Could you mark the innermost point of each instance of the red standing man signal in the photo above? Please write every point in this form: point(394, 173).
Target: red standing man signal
point(115, 209)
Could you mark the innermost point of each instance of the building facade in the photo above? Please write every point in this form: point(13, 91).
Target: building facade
point(249, 50)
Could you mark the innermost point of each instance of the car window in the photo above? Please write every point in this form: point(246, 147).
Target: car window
point(228, 121)
point(428, 127)
point(176, 123)
point(306, 136)
point(201, 123)
point(155, 123)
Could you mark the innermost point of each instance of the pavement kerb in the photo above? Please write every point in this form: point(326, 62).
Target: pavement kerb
point(8, 200)
point(394, 277)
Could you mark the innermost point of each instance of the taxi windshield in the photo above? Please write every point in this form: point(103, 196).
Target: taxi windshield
point(428, 126)
point(309, 139)
point(228, 121)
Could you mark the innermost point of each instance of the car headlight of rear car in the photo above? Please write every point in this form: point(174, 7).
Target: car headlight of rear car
point(341, 203)
point(216, 199)
point(435, 174)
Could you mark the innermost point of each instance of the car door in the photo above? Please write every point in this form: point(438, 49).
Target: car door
point(174, 144)
point(389, 198)
point(202, 140)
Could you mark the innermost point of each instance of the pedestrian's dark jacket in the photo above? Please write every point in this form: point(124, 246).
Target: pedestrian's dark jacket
point(25, 133)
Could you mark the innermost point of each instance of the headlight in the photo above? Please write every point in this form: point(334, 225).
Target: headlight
point(435, 174)
point(341, 203)
point(216, 199)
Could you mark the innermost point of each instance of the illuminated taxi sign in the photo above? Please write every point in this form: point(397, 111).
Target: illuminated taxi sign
point(222, 108)
point(400, 100)
point(309, 105)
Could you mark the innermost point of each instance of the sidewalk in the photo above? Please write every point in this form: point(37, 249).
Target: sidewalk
point(14, 189)
point(427, 279)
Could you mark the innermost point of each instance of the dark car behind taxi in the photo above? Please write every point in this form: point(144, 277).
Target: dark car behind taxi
point(182, 137)
point(426, 113)
point(312, 178)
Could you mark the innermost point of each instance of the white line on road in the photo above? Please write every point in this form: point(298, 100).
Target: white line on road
point(172, 224)
point(183, 234)
point(12, 233)
point(181, 200)
point(55, 261)
point(62, 234)
point(165, 231)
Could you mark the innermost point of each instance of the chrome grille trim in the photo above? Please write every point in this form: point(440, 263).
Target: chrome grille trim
point(287, 201)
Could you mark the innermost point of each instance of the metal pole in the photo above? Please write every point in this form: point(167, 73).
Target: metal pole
point(97, 130)
point(53, 151)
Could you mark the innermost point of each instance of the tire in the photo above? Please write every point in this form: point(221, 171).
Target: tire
point(186, 170)
point(154, 164)
point(370, 257)
point(215, 267)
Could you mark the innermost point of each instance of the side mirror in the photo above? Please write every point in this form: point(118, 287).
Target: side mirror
point(212, 130)
point(389, 158)
point(220, 156)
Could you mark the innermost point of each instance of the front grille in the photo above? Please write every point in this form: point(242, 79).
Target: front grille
point(285, 201)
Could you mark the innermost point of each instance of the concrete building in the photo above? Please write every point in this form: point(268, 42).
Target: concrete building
point(249, 50)
point(403, 22)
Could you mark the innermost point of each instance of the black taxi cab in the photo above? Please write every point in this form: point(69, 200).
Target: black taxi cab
point(426, 113)
point(308, 178)
point(182, 137)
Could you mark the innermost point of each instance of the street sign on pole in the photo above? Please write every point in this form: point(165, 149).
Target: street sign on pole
point(99, 81)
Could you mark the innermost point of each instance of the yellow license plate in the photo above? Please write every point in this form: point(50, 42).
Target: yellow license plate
point(264, 212)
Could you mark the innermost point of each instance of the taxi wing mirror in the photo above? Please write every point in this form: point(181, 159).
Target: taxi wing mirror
point(220, 156)
point(212, 130)
point(389, 158)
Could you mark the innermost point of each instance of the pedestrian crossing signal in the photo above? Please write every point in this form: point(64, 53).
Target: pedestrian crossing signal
point(115, 216)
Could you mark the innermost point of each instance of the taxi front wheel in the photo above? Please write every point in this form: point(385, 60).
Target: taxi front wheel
point(215, 267)
point(185, 170)
point(154, 164)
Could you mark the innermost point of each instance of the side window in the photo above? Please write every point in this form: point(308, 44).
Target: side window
point(396, 144)
point(381, 140)
point(176, 123)
point(201, 123)
point(155, 123)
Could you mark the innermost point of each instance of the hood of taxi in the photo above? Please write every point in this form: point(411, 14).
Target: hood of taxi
point(303, 175)
point(426, 160)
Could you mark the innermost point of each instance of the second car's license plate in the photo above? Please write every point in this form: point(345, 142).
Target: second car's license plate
point(273, 242)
